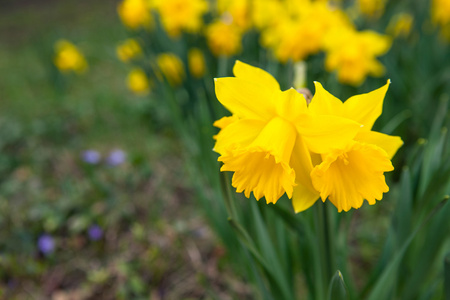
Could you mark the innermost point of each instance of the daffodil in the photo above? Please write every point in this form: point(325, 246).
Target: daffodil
point(238, 12)
point(196, 61)
point(353, 54)
point(440, 12)
point(135, 13)
point(223, 37)
point(300, 32)
point(69, 58)
point(400, 25)
point(440, 15)
point(138, 82)
point(348, 175)
point(269, 140)
point(171, 67)
point(371, 8)
point(128, 50)
point(181, 15)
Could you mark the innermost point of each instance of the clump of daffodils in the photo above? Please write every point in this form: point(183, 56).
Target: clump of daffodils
point(69, 58)
point(276, 144)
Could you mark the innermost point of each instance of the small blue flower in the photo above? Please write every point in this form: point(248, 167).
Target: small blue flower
point(116, 157)
point(46, 244)
point(91, 157)
point(95, 232)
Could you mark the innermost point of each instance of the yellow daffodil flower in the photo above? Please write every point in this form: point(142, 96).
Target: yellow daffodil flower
point(347, 176)
point(181, 15)
point(268, 141)
point(371, 8)
point(171, 67)
point(266, 13)
point(400, 25)
point(238, 12)
point(128, 50)
point(135, 14)
point(138, 82)
point(69, 58)
point(440, 12)
point(224, 38)
point(299, 32)
point(353, 54)
point(196, 61)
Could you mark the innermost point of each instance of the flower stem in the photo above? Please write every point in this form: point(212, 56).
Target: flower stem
point(326, 245)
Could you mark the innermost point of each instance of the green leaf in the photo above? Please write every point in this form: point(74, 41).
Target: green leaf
point(447, 276)
point(384, 287)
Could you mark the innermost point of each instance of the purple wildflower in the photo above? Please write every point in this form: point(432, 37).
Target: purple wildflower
point(91, 157)
point(116, 157)
point(95, 232)
point(46, 244)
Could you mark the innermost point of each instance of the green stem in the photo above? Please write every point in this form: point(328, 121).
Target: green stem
point(326, 246)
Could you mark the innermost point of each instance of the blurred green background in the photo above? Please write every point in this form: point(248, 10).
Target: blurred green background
point(147, 241)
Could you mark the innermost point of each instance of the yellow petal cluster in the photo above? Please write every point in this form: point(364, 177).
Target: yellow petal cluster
point(238, 12)
point(300, 29)
point(171, 67)
point(277, 144)
point(223, 37)
point(440, 15)
point(128, 50)
point(135, 14)
point(196, 61)
point(138, 82)
point(181, 15)
point(353, 54)
point(69, 58)
point(371, 8)
point(400, 25)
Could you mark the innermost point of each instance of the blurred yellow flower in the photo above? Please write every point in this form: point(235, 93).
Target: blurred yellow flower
point(268, 141)
point(181, 15)
point(372, 8)
point(135, 13)
point(128, 50)
point(69, 58)
point(353, 54)
point(266, 13)
point(138, 82)
point(223, 38)
point(400, 25)
point(238, 11)
point(196, 62)
point(440, 12)
point(300, 32)
point(171, 67)
point(347, 176)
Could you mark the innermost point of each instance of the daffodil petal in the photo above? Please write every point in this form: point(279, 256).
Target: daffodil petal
point(388, 143)
point(304, 194)
point(324, 103)
point(322, 133)
point(303, 198)
point(366, 108)
point(291, 104)
point(246, 99)
point(238, 134)
point(248, 72)
point(225, 121)
point(301, 162)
